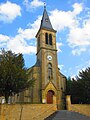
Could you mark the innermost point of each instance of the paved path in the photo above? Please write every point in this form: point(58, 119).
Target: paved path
point(67, 115)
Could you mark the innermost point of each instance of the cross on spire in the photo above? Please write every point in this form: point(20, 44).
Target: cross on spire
point(44, 5)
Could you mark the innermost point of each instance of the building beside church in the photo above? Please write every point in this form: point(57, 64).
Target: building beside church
point(50, 83)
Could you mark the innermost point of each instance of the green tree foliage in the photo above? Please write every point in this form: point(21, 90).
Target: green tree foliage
point(79, 88)
point(84, 81)
point(69, 85)
point(13, 74)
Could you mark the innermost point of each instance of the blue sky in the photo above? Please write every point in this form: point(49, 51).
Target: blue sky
point(20, 21)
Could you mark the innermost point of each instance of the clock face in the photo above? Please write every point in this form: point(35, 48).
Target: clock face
point(49, 57)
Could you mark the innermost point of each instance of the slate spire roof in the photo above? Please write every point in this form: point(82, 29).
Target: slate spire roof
point(45, 22)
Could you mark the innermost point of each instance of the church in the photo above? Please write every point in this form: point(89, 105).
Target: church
point(50, 83)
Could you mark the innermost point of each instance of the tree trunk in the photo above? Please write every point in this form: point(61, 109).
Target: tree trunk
point(6, 97)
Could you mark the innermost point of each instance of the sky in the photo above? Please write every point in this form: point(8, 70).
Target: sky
point(20, 21)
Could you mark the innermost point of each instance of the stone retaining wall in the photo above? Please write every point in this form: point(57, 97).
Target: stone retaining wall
point(26, 111)
point(81, 108)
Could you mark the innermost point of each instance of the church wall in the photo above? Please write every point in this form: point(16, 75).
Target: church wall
point(59, 99)
point(62, 82)
point(80, 108)
point(36, 88)
point(21, 96)
point(26, 96)
point(31, 94)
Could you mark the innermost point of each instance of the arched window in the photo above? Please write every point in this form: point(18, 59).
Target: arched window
point(50, 39)
point(46, 38)
point(49, 70)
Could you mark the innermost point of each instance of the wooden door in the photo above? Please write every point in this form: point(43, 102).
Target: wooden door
point(50, 97)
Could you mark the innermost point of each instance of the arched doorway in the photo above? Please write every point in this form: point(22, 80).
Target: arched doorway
point(50, 95)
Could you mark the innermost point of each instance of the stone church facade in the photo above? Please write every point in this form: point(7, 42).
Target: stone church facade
point(50, 83)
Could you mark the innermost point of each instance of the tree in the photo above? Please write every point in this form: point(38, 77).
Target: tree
point(73, 90)
point(69, 85)
point(79, 87)
point(13, 74)
point(84, 80)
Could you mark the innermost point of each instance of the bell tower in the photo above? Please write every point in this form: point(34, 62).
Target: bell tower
point(47, 56)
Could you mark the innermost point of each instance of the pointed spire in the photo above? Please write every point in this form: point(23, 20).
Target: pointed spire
point(45, 22)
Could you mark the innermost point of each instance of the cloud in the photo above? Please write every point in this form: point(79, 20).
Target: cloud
point(3, 38)
point(19, 45)
point(30, 32)
point(78, 36)
point(36, 3)
point(60, 67)
point(62, 19)
point(58, 46)
point(77, 22)
point(66, 19)
point(21, 42)
point(24, 37)
point(9, 11)
point(79, 50)
point(77, 8)
point(80, 67)
point(33, 5)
